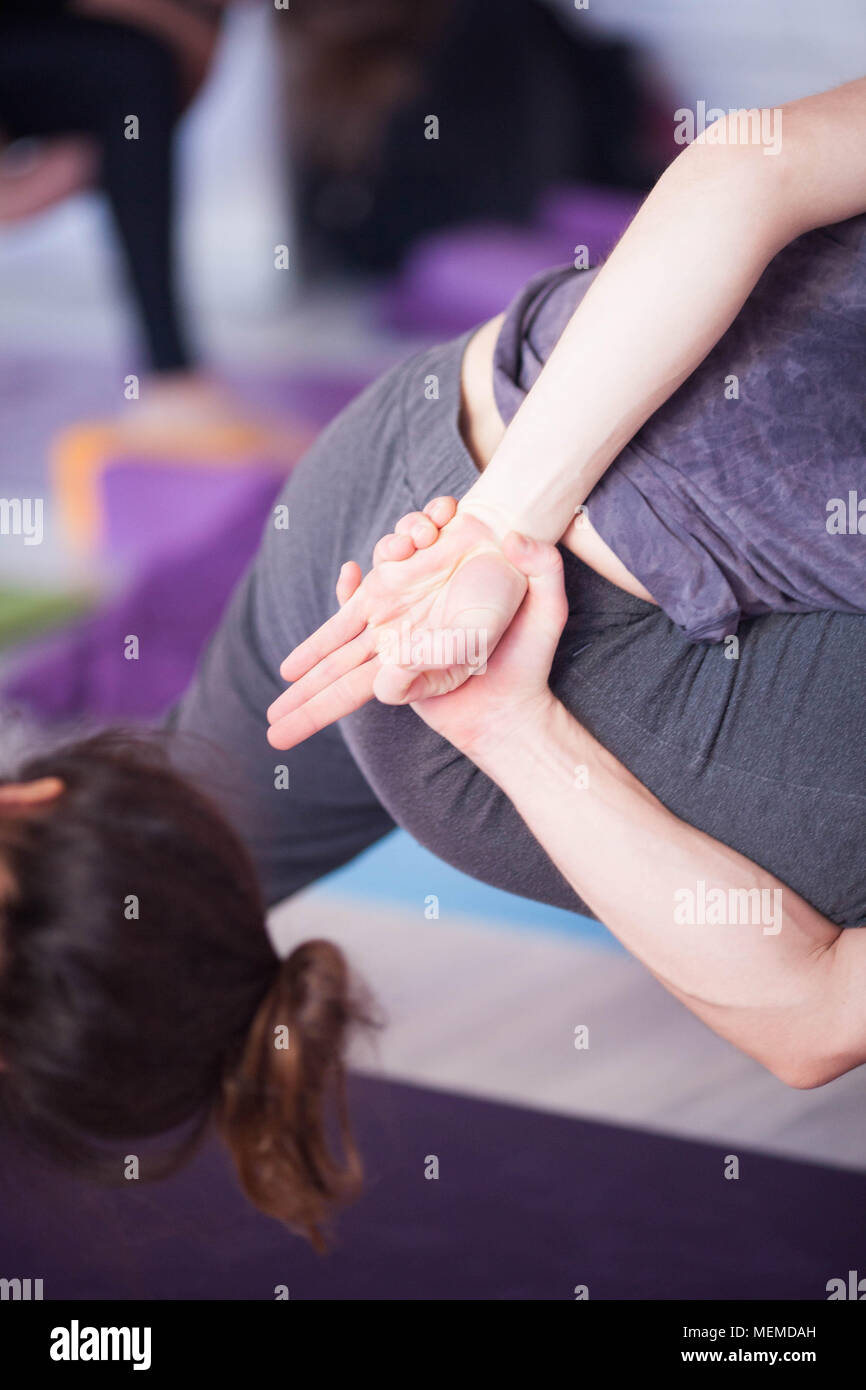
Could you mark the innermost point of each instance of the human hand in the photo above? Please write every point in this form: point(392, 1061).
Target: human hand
point(482, 715)
point(431, 610)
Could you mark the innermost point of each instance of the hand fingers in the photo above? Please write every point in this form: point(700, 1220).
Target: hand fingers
point(392, 684)
point(419, 527)
point(346, 695)
point(393, 547)
point(441, 510)
point(327, 672)
point(545, 607)
point(15, 796)
point(482, 596)
point(397, 686)
point(347, 581)
point(344, 625)
point(415, 531)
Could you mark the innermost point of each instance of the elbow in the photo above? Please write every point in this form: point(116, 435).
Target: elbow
point(807, 1072)
point(804, 1077)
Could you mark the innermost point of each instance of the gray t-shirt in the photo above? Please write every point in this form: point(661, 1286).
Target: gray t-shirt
point(767, 752)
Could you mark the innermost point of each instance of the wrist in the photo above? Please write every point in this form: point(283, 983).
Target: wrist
point(512, 751)
point(545, 520)
point(499, 520)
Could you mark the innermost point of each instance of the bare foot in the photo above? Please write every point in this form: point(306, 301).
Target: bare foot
point(193, 409)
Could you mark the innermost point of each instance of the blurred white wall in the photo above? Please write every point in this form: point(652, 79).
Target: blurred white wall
point(738, 52)
point(233, 167)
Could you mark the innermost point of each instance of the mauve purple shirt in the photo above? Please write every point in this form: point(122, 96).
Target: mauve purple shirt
point(732, 505)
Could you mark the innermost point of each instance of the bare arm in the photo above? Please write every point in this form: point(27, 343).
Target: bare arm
point(670, 289)
point(743, 951)
point(782, 988)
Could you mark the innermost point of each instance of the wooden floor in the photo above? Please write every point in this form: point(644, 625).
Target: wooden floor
point(491, 1010)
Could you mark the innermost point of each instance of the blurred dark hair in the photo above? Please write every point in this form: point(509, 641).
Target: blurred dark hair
point(140, 995)
point(351, 63)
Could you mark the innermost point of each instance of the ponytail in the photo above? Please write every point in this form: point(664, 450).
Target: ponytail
point(277, 1102)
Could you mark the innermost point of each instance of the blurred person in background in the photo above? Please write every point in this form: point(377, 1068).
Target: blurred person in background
point(523, 102)
point(72, 74)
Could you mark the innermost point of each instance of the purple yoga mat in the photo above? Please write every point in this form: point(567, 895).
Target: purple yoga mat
point(188, 534)
point(527, 1205)
point(595, 217)
point(182, 536)
point(150, 510)
point(313, 396)
point(456, 279)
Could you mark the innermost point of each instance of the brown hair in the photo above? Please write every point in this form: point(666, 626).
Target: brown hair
point(351, 63)
point(273, 1115)
point(141, 998)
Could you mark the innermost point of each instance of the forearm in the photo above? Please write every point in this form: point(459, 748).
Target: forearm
point(670, 289)
point(677, 899)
